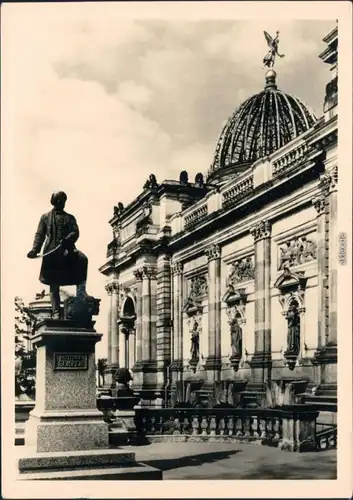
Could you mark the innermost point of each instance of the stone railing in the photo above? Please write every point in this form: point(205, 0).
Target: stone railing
point(197, 215)
point(326, 436)
point(291, 159)
point(238, 191)
point(289, 428)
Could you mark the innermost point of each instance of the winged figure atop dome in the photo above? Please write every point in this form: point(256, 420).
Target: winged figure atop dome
point(269, 59)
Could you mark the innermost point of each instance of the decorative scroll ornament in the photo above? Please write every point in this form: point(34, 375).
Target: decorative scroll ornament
point(329, 180)
point(177, 268)
point(236, 297)
point(241, 270)
point(319, 204)
point(297, 251)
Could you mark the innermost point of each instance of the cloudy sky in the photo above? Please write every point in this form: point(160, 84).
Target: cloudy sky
point(97, 102)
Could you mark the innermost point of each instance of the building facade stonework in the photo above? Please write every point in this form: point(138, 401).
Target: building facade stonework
point(233, 278)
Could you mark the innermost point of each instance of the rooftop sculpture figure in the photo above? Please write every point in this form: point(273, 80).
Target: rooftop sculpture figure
point(269, 59)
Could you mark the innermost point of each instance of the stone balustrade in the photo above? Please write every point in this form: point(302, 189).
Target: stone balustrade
point(291, 428)
point(291, 159)
point(195, 216)
point(238, 191)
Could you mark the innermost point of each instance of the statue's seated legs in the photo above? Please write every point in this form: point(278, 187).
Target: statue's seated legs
point(55, 297)
point(77, 271)
point(55, 300)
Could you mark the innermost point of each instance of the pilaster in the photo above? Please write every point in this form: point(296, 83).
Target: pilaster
point(213, 361)
point(163, 317)
point(122, 346)
point(138, 321)
point(262, 355)
point(149, 292)
point(177, 330)
point(319, 203)
point(114, 327)
point(112, 289)
point(326, 354)
point(108, 289)
point(329, 185)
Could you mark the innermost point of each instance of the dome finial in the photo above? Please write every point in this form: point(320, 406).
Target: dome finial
point(271, 79)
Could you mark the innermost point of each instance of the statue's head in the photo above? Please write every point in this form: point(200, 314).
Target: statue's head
point(58, 200)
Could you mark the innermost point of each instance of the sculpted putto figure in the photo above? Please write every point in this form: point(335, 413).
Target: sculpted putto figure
point(63, 264)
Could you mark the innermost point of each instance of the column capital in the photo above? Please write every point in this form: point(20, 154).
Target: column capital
point(319, 204)
point(261, 230)
point(329, 180)
point(112, 287)
point(177, 267)
point(213, 252)
point(138, 274)
point(149, 272)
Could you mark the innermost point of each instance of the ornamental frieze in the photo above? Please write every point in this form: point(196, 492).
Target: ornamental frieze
point(241, 270)
point(297, 251)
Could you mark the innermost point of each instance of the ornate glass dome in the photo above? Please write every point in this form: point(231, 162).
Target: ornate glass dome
point(262, 124)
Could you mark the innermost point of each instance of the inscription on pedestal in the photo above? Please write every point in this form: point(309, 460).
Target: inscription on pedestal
point(70, 361)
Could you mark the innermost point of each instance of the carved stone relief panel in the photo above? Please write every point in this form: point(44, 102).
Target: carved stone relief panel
point(197, 286)
point(296, 251)
point(241, 270)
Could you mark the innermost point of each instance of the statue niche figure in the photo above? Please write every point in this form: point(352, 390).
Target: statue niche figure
point(62, 264)
point(293, 322)
point(236, 335)
point(195, 342)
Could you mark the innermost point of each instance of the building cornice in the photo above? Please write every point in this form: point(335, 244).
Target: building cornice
point(241, 222)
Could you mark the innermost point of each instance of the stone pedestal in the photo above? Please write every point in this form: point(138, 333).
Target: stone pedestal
point(298, 428)
point(65, 431)
point(65, 417)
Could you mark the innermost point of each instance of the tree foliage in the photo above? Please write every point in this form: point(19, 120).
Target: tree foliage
point(25, 361)
point(101, 366)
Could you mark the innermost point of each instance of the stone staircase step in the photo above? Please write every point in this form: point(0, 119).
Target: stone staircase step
point(138, 472)
point(98, 464)
point(71, 459)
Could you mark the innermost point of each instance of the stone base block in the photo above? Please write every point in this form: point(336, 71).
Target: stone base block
point(288, 445)
point(84, 465)
point(76, 432)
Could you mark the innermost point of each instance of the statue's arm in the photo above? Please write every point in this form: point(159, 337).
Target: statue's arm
point(72, 237)
point(40, 235)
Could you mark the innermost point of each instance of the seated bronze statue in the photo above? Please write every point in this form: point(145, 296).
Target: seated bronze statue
point(62, 264)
